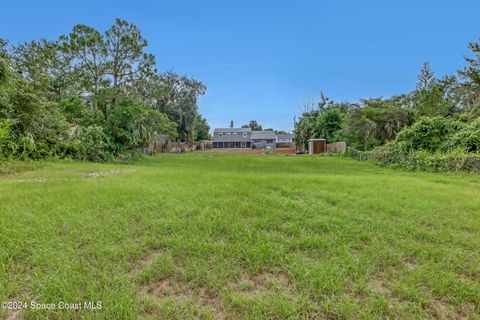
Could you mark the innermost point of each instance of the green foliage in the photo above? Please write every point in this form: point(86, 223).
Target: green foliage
point(327, 122)
point(431, 102)
point(47, 128)
point(91, 143)
point(330, 124)
point(7, 144)
point(467, 138)
point(376, 123)
point(130, 124)
point(254, 125)
point(202, 129)
point(104, 84)
point(426, 77)
point(127, 61)
point(74, 108)
point(436, 144)
point(472, 71)
point(454, 160)
point(3, 71)
point(428, 133)
point(176, 96)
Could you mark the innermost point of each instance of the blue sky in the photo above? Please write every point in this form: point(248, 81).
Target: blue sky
point(262, 59)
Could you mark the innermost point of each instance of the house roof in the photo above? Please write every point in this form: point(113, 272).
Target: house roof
point(230, 138)
point(260, 135)
point(285, 136)
point(233, 130)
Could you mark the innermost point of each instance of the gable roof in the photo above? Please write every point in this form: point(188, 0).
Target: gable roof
point(233, 130)
point(285, 136)
point(261, 135)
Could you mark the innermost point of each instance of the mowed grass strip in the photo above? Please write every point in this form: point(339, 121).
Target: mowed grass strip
point(231, 236)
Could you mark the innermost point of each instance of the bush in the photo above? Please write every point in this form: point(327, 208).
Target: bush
point(428, 133)
point(456, 160)
point(467, 139)
point(7, 144)
point(90, 144)
point(421, 160)
point(387, 154)
point(434, 144)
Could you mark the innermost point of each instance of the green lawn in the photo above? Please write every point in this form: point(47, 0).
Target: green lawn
point(211, 235)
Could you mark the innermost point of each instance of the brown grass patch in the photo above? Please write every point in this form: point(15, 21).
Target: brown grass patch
point(178, 290)
point(410, 263)
point(145, 260)
point(13, 314)
point(467, 311)
point(264, 281)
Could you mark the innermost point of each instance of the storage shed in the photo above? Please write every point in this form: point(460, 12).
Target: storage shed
point(317, 146)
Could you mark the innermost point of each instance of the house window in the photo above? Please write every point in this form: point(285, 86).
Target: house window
point(244, 134)
point(234, 134)
point(228, 134)
point(269, 141)
point(220, 134)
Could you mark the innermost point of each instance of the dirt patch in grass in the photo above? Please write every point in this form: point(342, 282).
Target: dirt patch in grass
point(9, 168)
point(264, 281)
point(440, 309)
point(37, 180)
point(13, 314)
point(410, 263)
point(467, 311)
point(91, 174)
point(378, 286)
point(96, 174)
point(173, 287)
point(178, 290)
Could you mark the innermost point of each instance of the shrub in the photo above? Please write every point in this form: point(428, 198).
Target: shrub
point(7, 144)
point(90, 144)
point(387, 154)
point(467, 139)
point(456, 160)
point(428, 133)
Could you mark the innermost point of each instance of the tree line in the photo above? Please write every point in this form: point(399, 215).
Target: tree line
point(92, 95)
point(438, 121)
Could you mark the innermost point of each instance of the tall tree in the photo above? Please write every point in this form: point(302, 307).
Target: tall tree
point(177, 97)
point(472, 71)
point(470, 89)
point(127, 60)
point(90, 55)
point(254, 125)
point(48, 66)
point(426, 77)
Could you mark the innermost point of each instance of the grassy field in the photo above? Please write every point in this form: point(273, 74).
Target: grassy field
point(209, 235)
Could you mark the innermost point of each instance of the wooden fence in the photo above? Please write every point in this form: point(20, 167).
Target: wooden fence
point(335, 147)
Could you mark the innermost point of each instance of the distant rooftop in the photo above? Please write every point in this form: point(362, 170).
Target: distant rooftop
point(263, 135)
point(233, 130)
point(285, 135)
